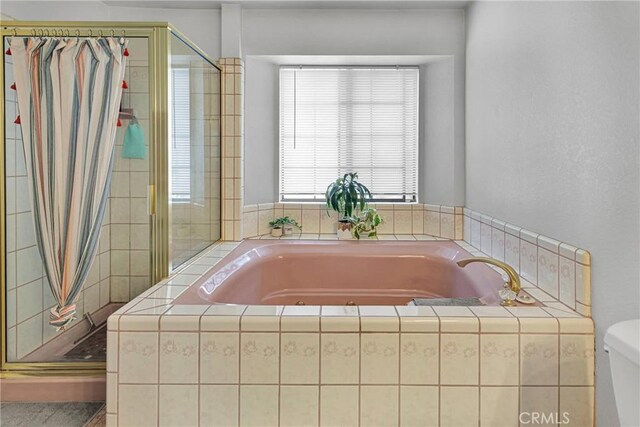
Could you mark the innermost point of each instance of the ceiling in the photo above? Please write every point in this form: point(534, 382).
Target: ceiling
point(294, 4)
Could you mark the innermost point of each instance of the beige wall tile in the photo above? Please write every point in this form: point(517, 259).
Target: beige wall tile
point(499, 406)
point(497, 244)
point(578, 403)
point(311, 220)
point(548, 272)
point(529, 261)
point(419, 358)
point(417, 219)
point(137, 406)
point(112, 392)
point(512, 251)
point(567, 282)
point(138, 358)
point(219, 405)
point(577, 360)
point(259, 405)
point(340, 358)
point(539, 359)
point(112, 351)
point(339, 405)
point(219, 357)
point(432, 223)
point(379, 406)
point(300, 358)
point(451, 414)
point(402, 222)
point(459, 359)
point(447, 225)
point(178, 405)
point(379, 358)
point(178, 357)
point(540, 400)
point(419, 406)
point(299, 406)
point(259, 358)
point(583, 284)
point(499, 359)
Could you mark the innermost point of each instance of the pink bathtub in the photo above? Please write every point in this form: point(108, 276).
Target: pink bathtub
point(342, 272)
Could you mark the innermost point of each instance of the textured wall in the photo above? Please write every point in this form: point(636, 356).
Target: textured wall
point(552, 139)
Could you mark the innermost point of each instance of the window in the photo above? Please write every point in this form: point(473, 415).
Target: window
point(335, 120)
point(181, 129)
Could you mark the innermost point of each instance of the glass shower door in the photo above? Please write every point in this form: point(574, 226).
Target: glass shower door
point(194, 153)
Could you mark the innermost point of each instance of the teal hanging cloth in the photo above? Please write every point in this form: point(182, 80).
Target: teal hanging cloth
point(134, 142)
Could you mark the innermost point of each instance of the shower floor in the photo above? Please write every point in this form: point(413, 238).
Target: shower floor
point(92, 348)
point(79, 343)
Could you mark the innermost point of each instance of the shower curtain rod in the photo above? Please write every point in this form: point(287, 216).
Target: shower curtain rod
point(65, 32)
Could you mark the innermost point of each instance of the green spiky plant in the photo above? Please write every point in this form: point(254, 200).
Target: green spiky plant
point(346, 195)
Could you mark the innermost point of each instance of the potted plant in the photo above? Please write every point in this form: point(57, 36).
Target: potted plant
point(365, 223)
point(345, 196)
point(283, 225)
point(276, 229)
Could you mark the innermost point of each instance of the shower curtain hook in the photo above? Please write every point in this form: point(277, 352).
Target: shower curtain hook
point(100, 33)
point(77, 35)
point(90, 32)
point(113, 33)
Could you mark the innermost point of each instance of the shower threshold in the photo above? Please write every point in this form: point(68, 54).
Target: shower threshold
point(86, 341)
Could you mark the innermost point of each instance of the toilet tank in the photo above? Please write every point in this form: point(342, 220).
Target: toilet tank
point(622, 342)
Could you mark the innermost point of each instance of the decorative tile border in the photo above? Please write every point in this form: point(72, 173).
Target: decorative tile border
point(232, 147)
point(557, 270)
point(399, 219)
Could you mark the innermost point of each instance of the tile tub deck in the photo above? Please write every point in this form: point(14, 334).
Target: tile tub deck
point(334, 365)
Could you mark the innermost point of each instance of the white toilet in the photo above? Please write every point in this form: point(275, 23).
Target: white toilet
point(622, 342)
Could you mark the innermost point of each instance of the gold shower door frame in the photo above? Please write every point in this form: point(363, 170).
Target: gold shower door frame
point(158, 35)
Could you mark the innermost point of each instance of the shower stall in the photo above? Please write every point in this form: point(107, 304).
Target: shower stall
point(164, 202)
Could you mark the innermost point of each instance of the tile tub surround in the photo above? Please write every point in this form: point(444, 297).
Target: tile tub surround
point(399, 218)
point(558, 271)
point(334, 365)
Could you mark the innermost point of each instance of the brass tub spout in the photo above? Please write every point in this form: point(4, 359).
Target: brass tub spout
point(512, 285)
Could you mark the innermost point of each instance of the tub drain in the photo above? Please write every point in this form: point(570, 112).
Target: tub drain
point(300, 303)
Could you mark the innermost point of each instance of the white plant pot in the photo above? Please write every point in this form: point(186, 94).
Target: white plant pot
point(276, 232)
point(344, 231)
point(287, 230)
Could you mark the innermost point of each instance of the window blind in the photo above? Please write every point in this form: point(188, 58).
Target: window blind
point(181, 132)
point(335, 120)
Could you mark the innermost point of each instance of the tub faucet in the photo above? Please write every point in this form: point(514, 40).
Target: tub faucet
point(512, 287)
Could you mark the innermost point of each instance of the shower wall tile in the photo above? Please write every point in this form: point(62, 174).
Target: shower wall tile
point(129, 230)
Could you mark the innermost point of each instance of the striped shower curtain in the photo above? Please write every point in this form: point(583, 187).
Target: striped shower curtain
point(69, 94)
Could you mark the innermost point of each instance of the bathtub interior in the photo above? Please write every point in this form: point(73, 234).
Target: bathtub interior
point(342, 273)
